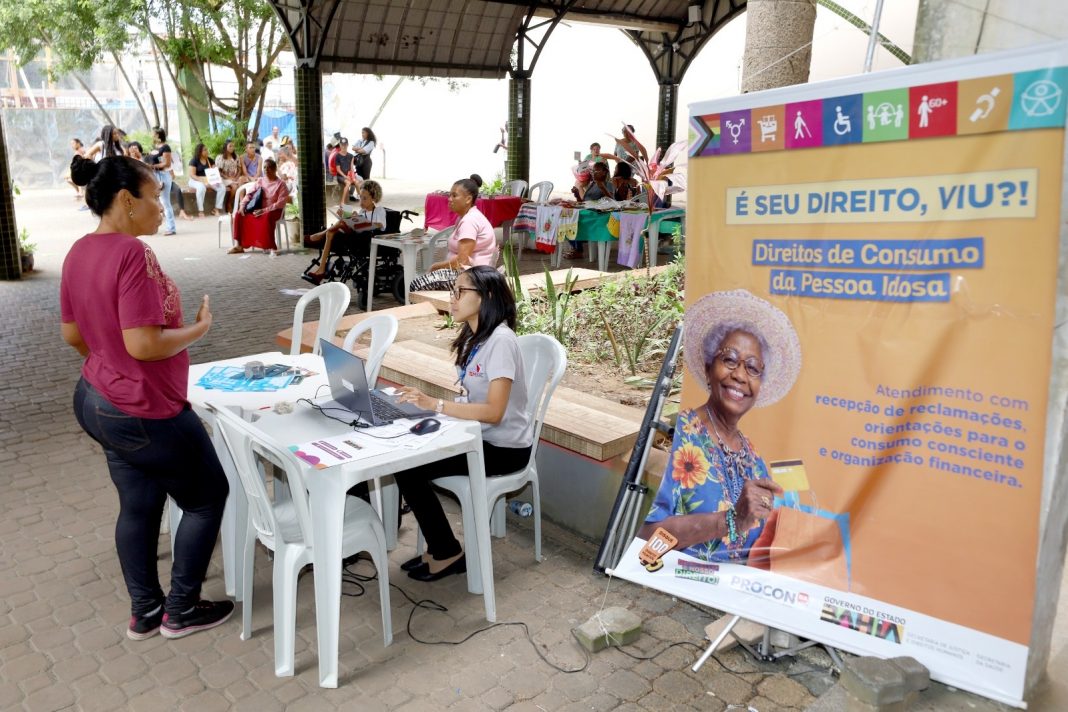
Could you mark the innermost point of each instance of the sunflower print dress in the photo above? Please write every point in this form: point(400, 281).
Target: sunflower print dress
point(696, 481)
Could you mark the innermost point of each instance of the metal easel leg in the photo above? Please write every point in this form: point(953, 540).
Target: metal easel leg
point(715, 643)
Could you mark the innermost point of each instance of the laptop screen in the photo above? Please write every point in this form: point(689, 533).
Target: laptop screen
point(348, 380)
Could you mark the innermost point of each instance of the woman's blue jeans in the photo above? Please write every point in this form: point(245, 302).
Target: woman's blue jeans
point(165, 180)
point(149, 459)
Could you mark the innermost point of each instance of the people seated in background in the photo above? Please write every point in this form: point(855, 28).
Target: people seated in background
point(254, 221)
point(493, 386)
point(287, 167)
point(251, 163)
point(198, 180)
point(623, 182)
point(342, 168)
point(599, 187)
point(359, 225)
point(229, 166)
point(472, 242)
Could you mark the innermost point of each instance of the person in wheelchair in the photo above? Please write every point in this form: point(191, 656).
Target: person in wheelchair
point(358, 227)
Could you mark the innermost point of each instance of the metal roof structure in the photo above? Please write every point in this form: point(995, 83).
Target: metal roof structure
point(475, 38)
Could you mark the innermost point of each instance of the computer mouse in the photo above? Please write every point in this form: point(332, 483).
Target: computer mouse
point(426, 426)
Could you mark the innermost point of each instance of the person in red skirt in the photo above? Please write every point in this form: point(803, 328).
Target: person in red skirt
point(254, 222)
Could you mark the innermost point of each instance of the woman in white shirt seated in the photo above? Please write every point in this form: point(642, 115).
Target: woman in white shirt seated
point(493, 392)
point(368, 217)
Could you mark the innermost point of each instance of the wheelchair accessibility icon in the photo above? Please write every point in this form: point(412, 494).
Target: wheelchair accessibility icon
point(842, 123)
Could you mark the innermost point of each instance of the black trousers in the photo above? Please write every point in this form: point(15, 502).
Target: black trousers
point(415, 486)
point(149, 459)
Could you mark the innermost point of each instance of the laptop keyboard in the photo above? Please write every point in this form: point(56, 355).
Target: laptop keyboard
point(384, 410)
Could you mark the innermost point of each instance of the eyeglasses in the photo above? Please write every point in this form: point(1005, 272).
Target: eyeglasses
point(731, 361)
point(458, 292)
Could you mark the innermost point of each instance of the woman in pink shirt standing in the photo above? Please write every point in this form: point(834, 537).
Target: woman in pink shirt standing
point(472, 242)
point(124, 315)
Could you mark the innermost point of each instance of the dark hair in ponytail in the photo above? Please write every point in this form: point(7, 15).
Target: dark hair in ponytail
point(498, 306)
point(104, 180)
point(471, 185)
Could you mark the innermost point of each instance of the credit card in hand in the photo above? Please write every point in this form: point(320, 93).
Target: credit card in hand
point(790, 475)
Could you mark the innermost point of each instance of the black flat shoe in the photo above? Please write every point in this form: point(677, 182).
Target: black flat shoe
point(457, 567)
point(412, 564)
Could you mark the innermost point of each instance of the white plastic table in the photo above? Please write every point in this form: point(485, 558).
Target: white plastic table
point(409, 247)
point(235, 515)
point(327, 490)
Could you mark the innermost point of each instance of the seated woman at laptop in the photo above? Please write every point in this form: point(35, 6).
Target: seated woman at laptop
point(369, 217)
point(493, 392)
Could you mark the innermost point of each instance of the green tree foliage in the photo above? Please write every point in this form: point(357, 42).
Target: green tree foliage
point(242, 36)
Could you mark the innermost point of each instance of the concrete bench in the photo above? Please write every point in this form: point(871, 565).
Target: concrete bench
point(588, 425)
point(309, 329)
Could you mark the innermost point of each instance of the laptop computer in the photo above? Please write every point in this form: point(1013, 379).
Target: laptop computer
point(348, 385)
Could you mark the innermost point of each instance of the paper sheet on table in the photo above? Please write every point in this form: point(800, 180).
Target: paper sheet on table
point(364, 443)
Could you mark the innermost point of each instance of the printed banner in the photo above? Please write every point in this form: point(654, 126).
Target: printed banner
point(868, 336)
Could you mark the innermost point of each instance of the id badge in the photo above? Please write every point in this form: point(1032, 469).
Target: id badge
point(460, 399)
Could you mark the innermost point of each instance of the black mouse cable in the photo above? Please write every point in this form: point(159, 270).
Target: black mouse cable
point(354, 424)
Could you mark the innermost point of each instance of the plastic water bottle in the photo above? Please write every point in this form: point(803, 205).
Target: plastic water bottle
point(523, 509)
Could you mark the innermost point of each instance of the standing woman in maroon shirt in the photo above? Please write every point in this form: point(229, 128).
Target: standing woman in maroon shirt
point(124, 315)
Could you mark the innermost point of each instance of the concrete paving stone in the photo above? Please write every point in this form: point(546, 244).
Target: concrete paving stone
point(73, 613)
point(153, 700)
point(257, 702)
point(626, 685)
point(471, 682)
point(221, 673)
point(11, 633)
point(17, 650)
point(784, 691)
point(104, 698)
point(206, 701)
point(24, 666)
point(575, 686)
point(49, 699)
point(10, 695)
point(497, 698)
point(526, 683)
point(289, 691)
point(71, 669)
point(731, 689)
point(124, 668)
point(36, 682)
point(309, 704)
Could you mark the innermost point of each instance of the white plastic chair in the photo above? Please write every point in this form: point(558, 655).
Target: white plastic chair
point(544, 363)
point(229, 217)
point(540, 192)
point(284, 527)
point(516, 188)
point(383, 328)
point(333, 299)
point(434, 250)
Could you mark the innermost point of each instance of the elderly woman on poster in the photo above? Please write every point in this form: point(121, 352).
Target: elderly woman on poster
point(717, 494)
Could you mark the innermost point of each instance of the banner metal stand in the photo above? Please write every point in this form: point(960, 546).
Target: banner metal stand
point(626, 512)
point(763, 651)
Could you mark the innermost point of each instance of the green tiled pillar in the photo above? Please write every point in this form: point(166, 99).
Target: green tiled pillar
point(667, 111)
point(518, 165)
point(9, 242)
point(309, 95)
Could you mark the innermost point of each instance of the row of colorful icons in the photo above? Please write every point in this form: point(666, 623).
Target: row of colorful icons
point(1008, 102)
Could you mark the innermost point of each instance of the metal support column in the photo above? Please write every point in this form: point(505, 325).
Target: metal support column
point(518, 164)
point(10, 266)
point(666, 112)
point(309, 96)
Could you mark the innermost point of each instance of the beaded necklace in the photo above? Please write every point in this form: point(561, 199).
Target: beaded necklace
point(737, 468)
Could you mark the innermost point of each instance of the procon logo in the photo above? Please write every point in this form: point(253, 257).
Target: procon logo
point(775, 593)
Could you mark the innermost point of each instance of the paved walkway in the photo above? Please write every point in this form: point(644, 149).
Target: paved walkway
point(63, 608)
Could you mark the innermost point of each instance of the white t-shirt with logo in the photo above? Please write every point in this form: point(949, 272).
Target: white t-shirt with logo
point(499, 357)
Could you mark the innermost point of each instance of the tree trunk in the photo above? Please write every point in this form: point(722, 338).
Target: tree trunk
point(133, 90)
point(162, 87)
point(778, 43)
point(107, 116)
